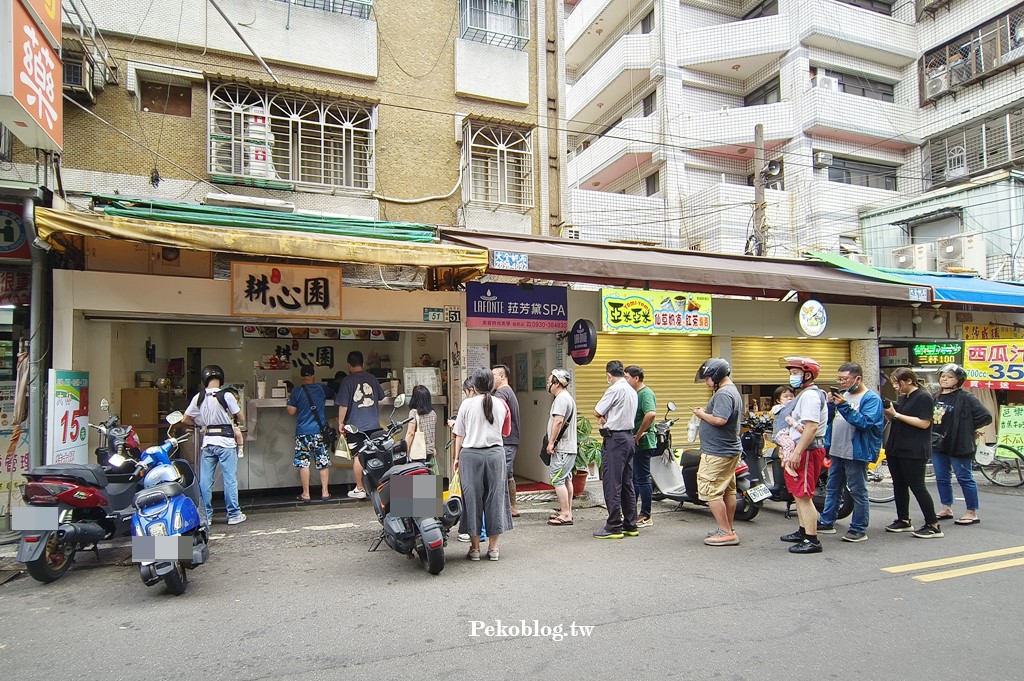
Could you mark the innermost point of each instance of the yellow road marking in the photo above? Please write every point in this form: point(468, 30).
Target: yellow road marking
point(967, 558)
point(972, 570)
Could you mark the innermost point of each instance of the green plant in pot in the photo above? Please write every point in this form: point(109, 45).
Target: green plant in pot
point(588, 451)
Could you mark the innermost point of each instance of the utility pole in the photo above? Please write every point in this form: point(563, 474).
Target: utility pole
point(759, 204)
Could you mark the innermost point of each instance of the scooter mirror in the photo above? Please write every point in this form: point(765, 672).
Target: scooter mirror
point(349, 428)
point(104, 405)
point(671, 406)
point(174, 417)
point(116, 460)
point(400, 401)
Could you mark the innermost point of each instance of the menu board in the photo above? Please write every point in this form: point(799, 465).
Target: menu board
point(430, 377)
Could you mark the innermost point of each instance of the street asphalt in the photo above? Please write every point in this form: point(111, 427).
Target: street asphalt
point(295, 595)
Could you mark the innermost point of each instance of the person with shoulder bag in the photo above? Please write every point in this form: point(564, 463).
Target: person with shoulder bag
point(560, 445)
point(421, 432)
point(314, 437)
point(957, 420)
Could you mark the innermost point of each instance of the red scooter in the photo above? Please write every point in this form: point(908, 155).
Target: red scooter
point(90, 503)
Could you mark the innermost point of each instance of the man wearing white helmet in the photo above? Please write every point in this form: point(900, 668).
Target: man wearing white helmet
point(561, 444)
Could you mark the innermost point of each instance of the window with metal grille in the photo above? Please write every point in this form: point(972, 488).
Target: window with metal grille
point(290, 137)
point(979, 147)
point(862, 174)
point(355, 8)
point(500, 165)
point(505, 23)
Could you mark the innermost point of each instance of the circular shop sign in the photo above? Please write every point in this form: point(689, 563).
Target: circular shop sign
point(812, 318)
point(582, 342)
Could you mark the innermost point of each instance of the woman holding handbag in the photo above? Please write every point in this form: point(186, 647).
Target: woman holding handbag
point(480, 460)
point(420, 433)
point(956, 424)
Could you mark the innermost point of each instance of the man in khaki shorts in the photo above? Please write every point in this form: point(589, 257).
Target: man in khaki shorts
point(720, 449)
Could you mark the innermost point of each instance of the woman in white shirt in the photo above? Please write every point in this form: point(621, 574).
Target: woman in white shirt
point(480, 460)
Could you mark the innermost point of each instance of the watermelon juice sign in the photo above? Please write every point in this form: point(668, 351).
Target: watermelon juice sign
point(632, 311)
point(68, 424)
point(508, 306)
point(994, 364)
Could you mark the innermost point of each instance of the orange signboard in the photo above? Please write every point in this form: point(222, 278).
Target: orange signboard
point(47, 16)
point(38, 78)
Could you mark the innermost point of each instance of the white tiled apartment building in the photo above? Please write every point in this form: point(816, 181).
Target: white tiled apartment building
point(663, 97)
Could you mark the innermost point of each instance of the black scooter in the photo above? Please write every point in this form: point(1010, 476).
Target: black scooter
point(767, 470)
point(674, 474)
point(383, 460)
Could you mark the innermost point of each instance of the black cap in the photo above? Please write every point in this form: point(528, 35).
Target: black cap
point(307, 370)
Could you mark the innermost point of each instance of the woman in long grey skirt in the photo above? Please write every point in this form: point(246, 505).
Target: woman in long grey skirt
point(480, 460)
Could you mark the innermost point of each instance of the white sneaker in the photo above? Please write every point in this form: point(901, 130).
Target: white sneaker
point(357, 494)
point(235, 520)
point(463, 537)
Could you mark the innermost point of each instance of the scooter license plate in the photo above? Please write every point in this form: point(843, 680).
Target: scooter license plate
point(759, 493)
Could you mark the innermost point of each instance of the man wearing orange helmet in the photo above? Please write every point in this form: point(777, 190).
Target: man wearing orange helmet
point(808, 457)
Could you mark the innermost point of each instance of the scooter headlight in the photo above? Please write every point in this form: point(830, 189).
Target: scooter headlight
point(157, 529)
point(178, 522)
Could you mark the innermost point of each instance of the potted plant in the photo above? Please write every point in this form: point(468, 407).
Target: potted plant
point(588, 451)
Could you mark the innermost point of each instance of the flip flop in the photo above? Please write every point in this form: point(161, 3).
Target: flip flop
point(947, 516)
point(303, 499)
point(556, 522)
point(967, 521)
point(326, 498)
point(516, 514)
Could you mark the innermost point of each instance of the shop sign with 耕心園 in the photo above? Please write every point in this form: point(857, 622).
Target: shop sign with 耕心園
point(295, 291)
point(634, 311)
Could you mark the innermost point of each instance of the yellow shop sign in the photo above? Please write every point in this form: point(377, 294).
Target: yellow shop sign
point(634, 311)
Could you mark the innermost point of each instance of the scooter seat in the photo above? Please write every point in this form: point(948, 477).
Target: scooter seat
point(87, 473)
point(691, 457)
point(403, 470)
point(155, 495)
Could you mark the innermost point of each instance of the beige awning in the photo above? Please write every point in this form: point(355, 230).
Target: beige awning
point(468, 261)
point(624, 266)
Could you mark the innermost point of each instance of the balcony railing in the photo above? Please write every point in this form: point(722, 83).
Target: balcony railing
point(735, 127)
point(355, 8)
point(860, 119)
point(612, 77)
point(980, 147)
point(604, 216)
point(603, 159)
point(974, 56)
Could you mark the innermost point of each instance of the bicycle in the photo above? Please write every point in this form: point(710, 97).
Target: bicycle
point(1003, 467)
point(879, 483)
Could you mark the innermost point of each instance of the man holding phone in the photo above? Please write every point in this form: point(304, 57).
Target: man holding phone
point(853, 439)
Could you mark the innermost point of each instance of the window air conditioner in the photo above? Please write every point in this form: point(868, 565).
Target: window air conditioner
point(920, 257)
point(962, 251)
point(936, 85)
point(826, 83)
point(822, 159)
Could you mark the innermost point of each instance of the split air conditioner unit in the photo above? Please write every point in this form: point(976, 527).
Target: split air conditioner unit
point(826, 83)
point(862, 258)
point(936, 85)
point(920, 257)
point(962, 251)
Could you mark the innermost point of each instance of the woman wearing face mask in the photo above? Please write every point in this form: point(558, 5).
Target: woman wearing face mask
point(908, 449)
point(956, 424)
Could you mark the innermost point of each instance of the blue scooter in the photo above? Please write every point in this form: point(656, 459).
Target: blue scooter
point(169, 534)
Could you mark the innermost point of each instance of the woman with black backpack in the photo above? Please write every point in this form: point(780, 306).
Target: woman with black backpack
point(956, 424)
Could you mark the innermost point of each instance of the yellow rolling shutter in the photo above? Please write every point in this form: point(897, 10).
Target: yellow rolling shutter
point(756, 360)
point(669, 364)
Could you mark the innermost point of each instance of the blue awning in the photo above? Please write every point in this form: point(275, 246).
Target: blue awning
point(966, 289)
point(962, 289)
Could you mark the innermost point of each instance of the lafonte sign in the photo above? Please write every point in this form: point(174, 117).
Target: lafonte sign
point(633, 311)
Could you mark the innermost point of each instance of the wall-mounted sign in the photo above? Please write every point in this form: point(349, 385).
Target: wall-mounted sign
point(893, 357)
point(295, 291)
point(507, 306)
point(812, 318)
point(67, 433)
point(433, 314)
point(31, 78)
point(994, 364)
point(508, 260)
point(1011, 426)
point(47, 16)
point(632, 311)
point(991, 332)
point(583, 342)
point(13, 243)
point(932, 354)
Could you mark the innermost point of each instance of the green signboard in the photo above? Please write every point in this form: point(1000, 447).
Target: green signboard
point(936, 354)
